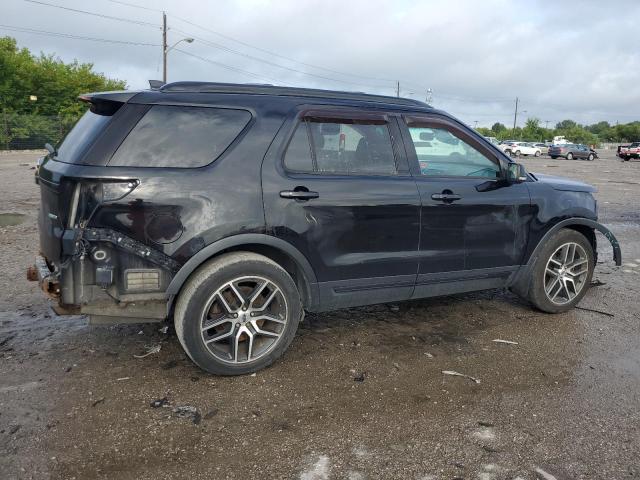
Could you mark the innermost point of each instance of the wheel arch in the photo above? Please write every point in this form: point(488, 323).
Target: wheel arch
point(276, 249)
point(587, 227)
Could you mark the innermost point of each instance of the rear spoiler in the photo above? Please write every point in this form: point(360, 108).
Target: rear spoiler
point(107, 103)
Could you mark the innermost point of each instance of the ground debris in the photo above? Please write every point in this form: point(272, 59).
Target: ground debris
point(597, 283)
point(458, 374)
point(595, 311)
point(508, 342)
point(188, 411)
point(98, 401)
point(159, 402)
point(360, 377)
point(150, 351)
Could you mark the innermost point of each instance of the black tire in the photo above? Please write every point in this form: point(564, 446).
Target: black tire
point(537, 154)
point(554, 156)
point(210, 277)
point(569, 156)
point(590, 157)
point(537, 294)
point(517, 154)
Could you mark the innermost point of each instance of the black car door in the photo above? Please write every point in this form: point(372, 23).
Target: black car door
point(475, 223)
point(337, 186)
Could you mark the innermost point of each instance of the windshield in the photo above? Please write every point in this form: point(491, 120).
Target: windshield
point(81, 136)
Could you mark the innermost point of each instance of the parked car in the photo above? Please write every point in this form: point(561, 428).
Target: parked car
point(232, 209)
point(571, 151)
point(544, 148)
point(629, 152)
point(493, 140)
point(522, 148)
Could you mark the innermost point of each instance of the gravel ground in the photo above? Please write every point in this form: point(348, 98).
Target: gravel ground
point(360, 393)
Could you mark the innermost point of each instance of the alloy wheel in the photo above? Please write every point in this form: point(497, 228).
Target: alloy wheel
point(244, 319)
point(566, 273)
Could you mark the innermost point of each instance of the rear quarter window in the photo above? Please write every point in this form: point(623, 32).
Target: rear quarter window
point(182, 137)
point(81, 137)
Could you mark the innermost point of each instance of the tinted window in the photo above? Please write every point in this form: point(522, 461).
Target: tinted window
point(298, 157)
point(441, 153)
point(343, 148)
point(81, 136)
point(186, 137)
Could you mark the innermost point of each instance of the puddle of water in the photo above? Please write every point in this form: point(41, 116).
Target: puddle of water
point(11, 219)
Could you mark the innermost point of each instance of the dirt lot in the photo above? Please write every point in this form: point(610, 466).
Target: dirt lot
point(563, 403)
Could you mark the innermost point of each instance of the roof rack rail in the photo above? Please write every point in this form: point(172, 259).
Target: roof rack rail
point(262, 89)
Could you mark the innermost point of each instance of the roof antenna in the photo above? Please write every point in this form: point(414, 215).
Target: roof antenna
point(156, 84)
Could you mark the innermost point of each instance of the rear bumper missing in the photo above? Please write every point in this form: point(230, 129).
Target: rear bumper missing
point(48, 280)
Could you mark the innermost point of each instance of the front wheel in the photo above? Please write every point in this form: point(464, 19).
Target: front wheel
point(590, 157)
point(537, 154)
point(562, 272)
point(517, 154)
point(569, 156)
point(237, 314)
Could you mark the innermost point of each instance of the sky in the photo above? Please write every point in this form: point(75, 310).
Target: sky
point(577, 59)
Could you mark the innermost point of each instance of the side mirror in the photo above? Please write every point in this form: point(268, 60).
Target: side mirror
point(50, 148)
point(517, 173)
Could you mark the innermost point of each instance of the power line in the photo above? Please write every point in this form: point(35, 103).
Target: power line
point(227, 37)
point(136, 6)
point(267, 62)
point(269, 52)
point(228, 67)
point(110, 17)
point(74, 37)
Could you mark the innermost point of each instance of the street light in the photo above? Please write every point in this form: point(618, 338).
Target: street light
point(166, 50)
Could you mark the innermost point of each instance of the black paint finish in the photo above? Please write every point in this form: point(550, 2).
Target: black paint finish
point(360, 240)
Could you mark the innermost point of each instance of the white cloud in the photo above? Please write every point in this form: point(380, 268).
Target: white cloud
point(570, 59)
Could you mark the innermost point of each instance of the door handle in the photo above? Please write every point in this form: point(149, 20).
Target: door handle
point(445, 197)
point(299, 194)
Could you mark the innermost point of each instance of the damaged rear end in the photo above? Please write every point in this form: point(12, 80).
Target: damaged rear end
point(86, 266)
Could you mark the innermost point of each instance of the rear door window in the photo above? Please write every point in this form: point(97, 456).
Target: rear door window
point(183, 137)
point(341, 148)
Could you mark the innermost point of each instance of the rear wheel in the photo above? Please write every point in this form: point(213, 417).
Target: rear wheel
point(569, 156)
point(562, 272)
point(237, 314)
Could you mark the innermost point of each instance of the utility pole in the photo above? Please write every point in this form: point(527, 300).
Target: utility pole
point(515, 117)
point(398, 88)
point(164, 47)
point(476, 124)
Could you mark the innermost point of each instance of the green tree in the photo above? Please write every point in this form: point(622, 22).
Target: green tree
point(532, 130)
point(498, 128)
point(566, 125)
point(55, 84)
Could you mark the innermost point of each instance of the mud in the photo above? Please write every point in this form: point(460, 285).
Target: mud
point(360, 394)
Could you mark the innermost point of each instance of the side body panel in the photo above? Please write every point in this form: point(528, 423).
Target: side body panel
point(360, 234)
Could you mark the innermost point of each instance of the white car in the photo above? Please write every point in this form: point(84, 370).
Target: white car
point(522, 148)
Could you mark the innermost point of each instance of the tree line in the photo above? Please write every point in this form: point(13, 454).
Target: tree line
point(39, 95)
point(574, 132)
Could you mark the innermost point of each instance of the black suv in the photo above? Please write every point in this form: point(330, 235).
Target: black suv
point(232, 209)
